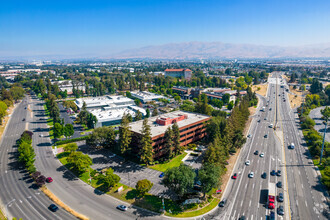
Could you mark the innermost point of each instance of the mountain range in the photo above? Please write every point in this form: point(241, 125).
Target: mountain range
point(219, 50)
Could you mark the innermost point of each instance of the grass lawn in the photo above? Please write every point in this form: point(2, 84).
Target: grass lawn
point(175, 162)
point(321, 167)
point(2, 216)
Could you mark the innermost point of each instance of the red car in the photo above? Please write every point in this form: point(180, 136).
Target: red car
point(49, 180)
point(234, 176)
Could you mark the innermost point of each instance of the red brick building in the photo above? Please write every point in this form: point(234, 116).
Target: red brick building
point(191, 125)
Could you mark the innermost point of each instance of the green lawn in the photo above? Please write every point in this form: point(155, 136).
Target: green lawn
point(2, 216)
point(175, 162)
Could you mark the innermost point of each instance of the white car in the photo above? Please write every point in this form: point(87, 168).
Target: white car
point(41, 135)
point(247, 163)
point(251, 174)
point(262, 155)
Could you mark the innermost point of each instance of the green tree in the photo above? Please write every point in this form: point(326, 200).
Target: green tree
point(146, 151)
point(125, 135)
point(79, 161)
point(326, 114)
point(71, 147)
point(91, 121)
point(17, 92)
point(138, 116)
point(168, 143)
point(147, 113)
point(226, 98)
point(230, 105)
point(210, 176)
point(110, 179)
point(179, 179)
point(3, 111)
point(155, 112)
point(57, 130)
point(143, 186)
point(316, 86)
point(68, 130)
point(177, 148)
point(102, 137)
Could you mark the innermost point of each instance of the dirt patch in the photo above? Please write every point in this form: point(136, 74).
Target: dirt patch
point(5, 120)
point(295, 98)
point(260, 89)
point(60, 203)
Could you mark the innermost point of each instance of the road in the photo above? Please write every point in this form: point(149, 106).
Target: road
point(316, 115)
point(18, 194)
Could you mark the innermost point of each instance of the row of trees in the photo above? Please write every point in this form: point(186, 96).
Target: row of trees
point(86, 118)
point(7, 97)
point(26, 151)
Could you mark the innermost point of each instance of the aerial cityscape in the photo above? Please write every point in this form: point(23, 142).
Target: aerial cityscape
point(185, 109)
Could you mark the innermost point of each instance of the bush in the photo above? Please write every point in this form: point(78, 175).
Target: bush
point(72, 140)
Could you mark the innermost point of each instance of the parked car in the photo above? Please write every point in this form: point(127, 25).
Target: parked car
point(49, 179)
point(272, 215)
point(279, 184)
point(273, 173)
point(53, 208)
point(161, 175)
point(280, 210)
point(280, 197)
point(234, 176)
point(279, 173)
point(122, 207)
point(264, 175)
point(223, 203)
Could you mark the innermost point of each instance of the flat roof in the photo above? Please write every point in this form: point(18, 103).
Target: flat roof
point(106, 100)
point(144, 95)
point(113, 114)
point(157, 129)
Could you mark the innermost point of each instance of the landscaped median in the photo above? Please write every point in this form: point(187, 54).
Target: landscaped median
point(148, 201)
point(175, 162)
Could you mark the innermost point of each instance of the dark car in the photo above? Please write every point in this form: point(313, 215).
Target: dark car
point(272, 215)
point(256, 152)
point(266, 136)
point(122, 207)
point(264, 175)
point(279, 184)
point(234, 176)
point(280, 197)
point(23, 119)
point(223, 203)
point(280, 210)
point(242, 217)
point(279, 173)
point(273, 173)
point(259, 120)
point(53, 208)
point(161, 175)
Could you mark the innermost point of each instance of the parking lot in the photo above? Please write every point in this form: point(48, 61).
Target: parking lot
point(129, 172)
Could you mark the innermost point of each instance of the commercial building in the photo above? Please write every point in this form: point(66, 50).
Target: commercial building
point(145, 96)
point(218, 94)
point(179, 73)
point(109, 110)
point(191, 125)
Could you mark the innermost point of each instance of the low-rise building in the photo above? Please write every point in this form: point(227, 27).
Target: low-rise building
point(104, 101)
point(145, 96)
point(191, 125)
point(179, 73)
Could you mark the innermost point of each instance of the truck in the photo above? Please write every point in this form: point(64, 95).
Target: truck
point(271, 195)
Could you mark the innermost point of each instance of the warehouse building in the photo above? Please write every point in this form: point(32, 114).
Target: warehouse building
point(145, 96)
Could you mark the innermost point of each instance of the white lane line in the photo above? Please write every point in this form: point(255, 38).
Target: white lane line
point(35, 209)
point(250, 203)
point(306, 204)
point(242, 203)
point(245, 186)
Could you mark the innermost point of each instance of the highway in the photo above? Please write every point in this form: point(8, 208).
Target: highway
point(18, 195)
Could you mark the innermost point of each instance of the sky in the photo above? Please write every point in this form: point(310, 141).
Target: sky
point(97, 28)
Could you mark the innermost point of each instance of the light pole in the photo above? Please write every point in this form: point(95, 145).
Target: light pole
point(325, 130)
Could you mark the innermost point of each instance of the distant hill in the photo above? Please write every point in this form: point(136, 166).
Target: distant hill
point(208, 50)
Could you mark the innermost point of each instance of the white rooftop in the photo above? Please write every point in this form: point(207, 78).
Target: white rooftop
point(103, 101)
point(157, 129)
point(146, 96)
point(115, 113)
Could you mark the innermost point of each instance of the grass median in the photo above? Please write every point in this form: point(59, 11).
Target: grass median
point(175, 162)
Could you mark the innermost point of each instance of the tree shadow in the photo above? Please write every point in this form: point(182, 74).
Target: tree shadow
point(66, 173)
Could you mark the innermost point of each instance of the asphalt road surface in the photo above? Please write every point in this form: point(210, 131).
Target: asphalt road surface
point(19, 197)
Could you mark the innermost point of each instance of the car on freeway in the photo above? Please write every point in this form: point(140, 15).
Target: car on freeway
point(262, 155)
point(234, 176)
point(272, 215)
point(273, 173)
point(256, 152)
point(266, 136)
point(265, 119)
point(25, 108)
point(161, 175)
point(249, 136)
point(278, 173)
point(247, 163)
point(279, 184)
point(280, 210)
point(270, 109)
point(223, 203)
point(41, 135)
point(122, 207)
point(259, 120)
point(264, 175)
point(53, 208)
point(271, 126)
point(251, 174)
point(23, 119)
point(49, 180)
point(242, 217)
point(280, 197)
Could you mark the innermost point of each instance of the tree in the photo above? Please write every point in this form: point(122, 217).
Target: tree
point(146, 151)
point(110, 179)
point(326, 114)
point(80, 162)
point(138, 116)
point(316, 86)
point(230, 105)
point(58, 130)
point(124, 135)
point(41, 180)
point(68, 130)
point(3, 111)
point(168, 143)
point(71, 147)
point(210, 175)
point(147, 113)
point(102, 137)
point(155, 112)
point(143, 186)
point(177, 148)
point(179, 179)
point(91, 120)
point(17, 92)
point(226, 98)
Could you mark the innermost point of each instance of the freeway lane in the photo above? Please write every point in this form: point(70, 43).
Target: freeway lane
point(306, 193)
point(18, 196)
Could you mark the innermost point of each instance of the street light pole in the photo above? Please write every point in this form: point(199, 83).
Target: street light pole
point(325, 130)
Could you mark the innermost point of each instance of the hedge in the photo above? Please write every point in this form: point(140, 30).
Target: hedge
point(71, 140)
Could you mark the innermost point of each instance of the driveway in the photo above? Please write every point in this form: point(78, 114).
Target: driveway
point(129, 172)
point(316, 115)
